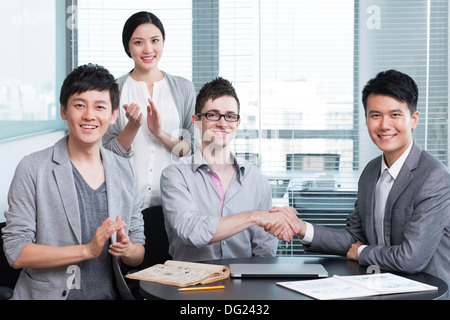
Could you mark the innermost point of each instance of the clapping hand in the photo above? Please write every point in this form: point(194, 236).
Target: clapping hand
point(122, 247)
point(133, 114)
point(153, 119)
point(102, 234)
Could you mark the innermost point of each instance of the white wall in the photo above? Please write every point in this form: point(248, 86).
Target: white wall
point(12, 151)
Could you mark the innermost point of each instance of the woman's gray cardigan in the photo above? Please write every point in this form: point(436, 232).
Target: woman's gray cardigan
point(183, 94)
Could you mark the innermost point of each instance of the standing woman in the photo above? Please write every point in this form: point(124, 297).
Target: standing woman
point(155, 125)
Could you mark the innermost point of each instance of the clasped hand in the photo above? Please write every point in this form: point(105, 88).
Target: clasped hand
point(294, 226)
point(121, 248)
point(285, 224)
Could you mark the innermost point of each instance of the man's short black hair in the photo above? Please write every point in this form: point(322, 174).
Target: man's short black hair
point(86, 78)
point(395, 84)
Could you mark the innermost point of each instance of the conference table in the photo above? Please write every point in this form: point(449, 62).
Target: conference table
point(263, 288)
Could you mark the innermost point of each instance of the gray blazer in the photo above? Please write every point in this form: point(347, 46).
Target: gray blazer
point(417, 219)
point(43, 209)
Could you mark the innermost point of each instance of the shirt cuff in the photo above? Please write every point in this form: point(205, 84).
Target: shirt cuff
point(361, 249)
point(309, 235)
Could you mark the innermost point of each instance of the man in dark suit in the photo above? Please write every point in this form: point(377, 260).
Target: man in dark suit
point(411, 231)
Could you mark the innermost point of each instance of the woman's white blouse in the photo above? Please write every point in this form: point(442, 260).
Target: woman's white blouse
point(150, 155)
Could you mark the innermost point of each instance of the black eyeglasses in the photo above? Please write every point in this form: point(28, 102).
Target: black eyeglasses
point(212, 116)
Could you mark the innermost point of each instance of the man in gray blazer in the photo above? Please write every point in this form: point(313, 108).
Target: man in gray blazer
point(412, 233)
point(74, 208)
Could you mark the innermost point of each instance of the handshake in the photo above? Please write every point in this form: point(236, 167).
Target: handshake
point(283, 223)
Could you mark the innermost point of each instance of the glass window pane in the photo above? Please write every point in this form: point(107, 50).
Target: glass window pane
point(30, 77)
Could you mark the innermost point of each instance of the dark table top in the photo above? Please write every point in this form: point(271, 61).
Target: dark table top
point(267, 289)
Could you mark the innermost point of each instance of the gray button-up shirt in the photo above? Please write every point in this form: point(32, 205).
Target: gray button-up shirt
point(192, 210)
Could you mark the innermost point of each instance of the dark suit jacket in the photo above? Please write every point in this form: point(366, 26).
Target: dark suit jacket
point(417, 219)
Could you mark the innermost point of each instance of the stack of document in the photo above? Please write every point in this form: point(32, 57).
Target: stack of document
point(345, 287)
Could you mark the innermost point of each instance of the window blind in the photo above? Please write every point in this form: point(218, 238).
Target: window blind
point(298, 67)
point(99, 33)
point(292, 62)
point(411, 36)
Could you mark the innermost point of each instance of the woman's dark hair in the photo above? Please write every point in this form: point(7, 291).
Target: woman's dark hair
point(86, 78)
point(135, 21)
point(395, 84)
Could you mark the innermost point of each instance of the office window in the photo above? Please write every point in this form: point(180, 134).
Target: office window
point(33, 66)
point(298, 68)
point(99, 34)
point(411, 36)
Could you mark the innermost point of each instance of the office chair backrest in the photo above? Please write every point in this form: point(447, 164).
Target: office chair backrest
point(156, 241)
point(8, 275)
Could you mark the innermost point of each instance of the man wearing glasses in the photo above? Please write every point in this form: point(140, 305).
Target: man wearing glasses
point(216, 205)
